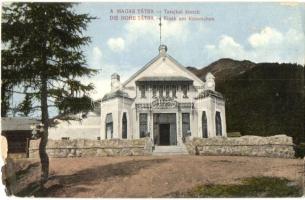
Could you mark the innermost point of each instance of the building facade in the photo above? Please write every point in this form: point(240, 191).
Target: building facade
point(164, 101)
point(83, 127)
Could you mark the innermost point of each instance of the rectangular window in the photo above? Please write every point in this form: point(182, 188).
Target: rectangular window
point(174, 89)
point(161, 91)
point(184, 89)
point(18, 143)
point(143, 124)
point(185, 123)
point(167, 89)
point(142, 90)
point(154, 91)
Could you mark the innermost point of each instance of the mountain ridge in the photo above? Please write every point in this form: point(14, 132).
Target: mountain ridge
point(261, 98)
point(223, 68)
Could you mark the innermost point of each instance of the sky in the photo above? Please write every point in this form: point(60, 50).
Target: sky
point(259, 32)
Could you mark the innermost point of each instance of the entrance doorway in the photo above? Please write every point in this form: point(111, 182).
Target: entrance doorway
point(164, 130)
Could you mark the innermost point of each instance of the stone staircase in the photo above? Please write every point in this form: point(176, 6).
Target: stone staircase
point(169, 150)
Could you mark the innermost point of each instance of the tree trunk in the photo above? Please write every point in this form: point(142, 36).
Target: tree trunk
point(44, 159)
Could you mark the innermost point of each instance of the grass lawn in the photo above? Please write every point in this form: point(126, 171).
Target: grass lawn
point(250, 187)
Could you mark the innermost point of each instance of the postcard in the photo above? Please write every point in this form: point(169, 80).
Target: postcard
point(152, 99)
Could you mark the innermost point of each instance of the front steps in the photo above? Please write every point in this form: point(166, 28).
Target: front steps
point(169, 150)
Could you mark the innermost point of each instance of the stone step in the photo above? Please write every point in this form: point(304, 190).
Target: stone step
point(166, 148)
point(168, 153)
point(170, 150)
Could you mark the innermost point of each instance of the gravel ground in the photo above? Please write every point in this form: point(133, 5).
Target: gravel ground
point(156, 176)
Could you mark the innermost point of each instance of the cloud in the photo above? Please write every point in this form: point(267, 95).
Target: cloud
point(226, 47)
point(102, 80)
point(267, 45)
point(266, 37)
point(101, 87)
point(227, 42)
point(174, 30)
point(116, 44)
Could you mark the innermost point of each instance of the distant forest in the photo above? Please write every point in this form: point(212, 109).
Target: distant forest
point(261, 99)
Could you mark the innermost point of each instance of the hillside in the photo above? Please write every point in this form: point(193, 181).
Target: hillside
point(261, 99)
point(224, 68)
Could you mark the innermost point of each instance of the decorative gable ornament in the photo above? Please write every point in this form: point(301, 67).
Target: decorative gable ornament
point(162, 50)
point(164, 103)
point(210, 82)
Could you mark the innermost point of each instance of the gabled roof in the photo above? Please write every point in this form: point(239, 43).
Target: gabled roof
point(184, 68)
point(142, 69)
point(154, 60)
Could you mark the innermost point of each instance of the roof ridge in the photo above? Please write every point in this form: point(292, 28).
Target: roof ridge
point(141, 69)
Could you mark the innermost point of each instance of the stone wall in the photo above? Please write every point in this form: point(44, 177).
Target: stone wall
point(280, 146)
point(93, 148)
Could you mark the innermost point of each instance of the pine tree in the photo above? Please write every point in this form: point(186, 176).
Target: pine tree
point(42, 54)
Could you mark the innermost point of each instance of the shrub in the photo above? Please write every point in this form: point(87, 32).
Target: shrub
point(300, 150)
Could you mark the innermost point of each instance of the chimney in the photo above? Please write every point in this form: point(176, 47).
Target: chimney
point(115, 82)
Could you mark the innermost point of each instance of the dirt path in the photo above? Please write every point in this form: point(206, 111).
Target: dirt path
point(158, 176)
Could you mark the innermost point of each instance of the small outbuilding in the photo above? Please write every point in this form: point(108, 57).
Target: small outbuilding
point(18, 132)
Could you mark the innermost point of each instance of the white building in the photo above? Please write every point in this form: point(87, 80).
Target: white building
point(83, 127)
point(165, 101)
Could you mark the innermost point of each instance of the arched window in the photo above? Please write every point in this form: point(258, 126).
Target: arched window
point(185, 124)
point(204, 125)
point(124, 126)
point(218, 124)
point(143, 124)
point(109, 126)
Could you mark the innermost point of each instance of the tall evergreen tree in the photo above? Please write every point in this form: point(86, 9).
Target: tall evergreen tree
point(42, 54)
